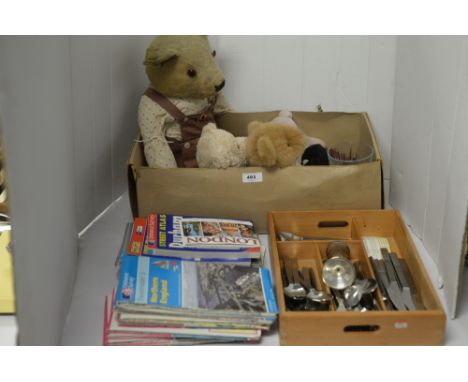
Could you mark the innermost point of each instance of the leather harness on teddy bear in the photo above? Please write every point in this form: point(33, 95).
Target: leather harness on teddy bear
point(191, 127)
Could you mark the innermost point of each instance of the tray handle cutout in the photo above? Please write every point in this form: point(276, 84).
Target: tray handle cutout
point(361, 328)
point(333, 224)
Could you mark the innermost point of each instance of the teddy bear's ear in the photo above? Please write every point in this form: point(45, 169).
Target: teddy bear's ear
point(252, 126)
point(158, 56)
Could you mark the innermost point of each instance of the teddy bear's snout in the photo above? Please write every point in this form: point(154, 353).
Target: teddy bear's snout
point(220, 86)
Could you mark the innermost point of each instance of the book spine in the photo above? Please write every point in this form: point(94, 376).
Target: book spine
point(201, 259)
point(150, 242)
point(268, 293)
point(126, 241)
point(105, 331)
point(137, 239)
point(176, 233)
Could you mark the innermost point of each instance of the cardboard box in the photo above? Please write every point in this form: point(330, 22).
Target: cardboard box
point(425, 326)
point(231, 193)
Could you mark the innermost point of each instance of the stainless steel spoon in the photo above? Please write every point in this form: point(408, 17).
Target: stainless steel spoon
point(367, 285)
point(319, 296)
point(314, 294)
point(340, 305)
point(294, 289)
point(352, 295)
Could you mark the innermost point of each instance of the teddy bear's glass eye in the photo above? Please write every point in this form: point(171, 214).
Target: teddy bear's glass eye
point(191, 72)
point(213, 53)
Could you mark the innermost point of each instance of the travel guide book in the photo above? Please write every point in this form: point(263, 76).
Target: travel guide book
point(126, 245)
point(201, 238)
point(174, 286)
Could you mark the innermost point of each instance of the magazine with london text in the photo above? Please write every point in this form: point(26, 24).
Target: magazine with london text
point(175, 286)
point(202, 238)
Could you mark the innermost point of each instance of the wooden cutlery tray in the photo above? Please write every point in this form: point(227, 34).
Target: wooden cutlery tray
point(424, 326)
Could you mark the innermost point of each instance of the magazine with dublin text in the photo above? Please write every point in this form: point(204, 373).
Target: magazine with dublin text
point(201, 238)
point(175, 287)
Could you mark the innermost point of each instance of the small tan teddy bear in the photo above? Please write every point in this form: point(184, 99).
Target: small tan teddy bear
point(183, 98)
point(280, 143)
point(218, 148)
point(272, 144)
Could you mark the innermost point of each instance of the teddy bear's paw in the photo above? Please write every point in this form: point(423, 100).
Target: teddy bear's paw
point(266, 152)
point(159, 156)
point(237, 158)
point(218, 148)
point(288, 155)
point(290, 148)
point(241, 158)
point(210, 128)
point(219, 162)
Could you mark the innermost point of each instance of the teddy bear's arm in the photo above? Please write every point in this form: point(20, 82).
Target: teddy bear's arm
point(222, 105)
point(152, 121)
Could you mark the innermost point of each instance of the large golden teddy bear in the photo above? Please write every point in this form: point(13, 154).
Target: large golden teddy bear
point(181, 101)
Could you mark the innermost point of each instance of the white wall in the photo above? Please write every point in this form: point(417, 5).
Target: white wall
point(429, 180)
point(107, 81)
point(342, 73)
point(36, 111)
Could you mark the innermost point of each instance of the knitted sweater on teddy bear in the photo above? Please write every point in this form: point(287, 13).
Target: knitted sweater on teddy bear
point(157, 125)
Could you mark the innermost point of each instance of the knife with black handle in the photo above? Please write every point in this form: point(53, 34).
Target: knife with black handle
point(393, 289)
point(403, 281)
point(415, 296)
point(382, 281)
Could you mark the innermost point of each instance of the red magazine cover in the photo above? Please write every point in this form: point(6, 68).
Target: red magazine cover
point(137, 240)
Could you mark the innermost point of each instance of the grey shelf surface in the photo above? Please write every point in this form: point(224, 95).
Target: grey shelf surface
point(96, 276)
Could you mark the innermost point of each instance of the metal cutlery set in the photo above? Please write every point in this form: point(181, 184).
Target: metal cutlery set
point(368, 284)
point(350, 289)
point(395, 284)
point(301, 291)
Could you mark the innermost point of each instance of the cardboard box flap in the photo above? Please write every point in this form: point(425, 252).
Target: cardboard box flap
point(135, 161)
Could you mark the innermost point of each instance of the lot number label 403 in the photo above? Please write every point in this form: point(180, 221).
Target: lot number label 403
point(252, 177)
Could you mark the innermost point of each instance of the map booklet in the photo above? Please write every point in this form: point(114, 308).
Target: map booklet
point(200, 289)
point(117, 333)
point(201, 238)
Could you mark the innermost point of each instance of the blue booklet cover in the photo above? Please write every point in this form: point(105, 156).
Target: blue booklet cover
point(175, 283)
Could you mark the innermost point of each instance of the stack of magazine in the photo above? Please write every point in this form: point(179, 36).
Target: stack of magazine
point(195, 238)
point(182, 297)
